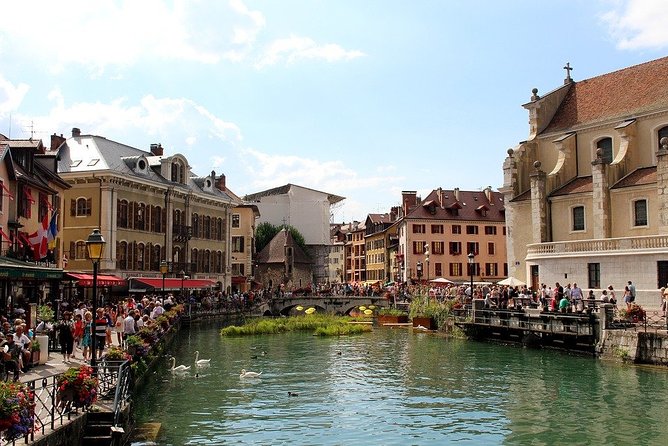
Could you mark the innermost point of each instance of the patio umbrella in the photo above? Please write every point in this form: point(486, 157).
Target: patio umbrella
point(441, 280)
point(511, 281)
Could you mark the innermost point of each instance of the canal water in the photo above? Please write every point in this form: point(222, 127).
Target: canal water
point(396, 387)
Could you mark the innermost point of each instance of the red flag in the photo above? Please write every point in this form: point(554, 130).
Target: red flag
point(39, 240)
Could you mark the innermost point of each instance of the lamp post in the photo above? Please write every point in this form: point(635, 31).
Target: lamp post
point(95, 246)
point(471, 257)
point(164, 267)
point(418, 268)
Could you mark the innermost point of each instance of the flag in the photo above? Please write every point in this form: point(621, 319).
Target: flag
point(53, 231)
point(39, 239)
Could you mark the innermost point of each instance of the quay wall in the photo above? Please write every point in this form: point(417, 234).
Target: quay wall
point(635, 346)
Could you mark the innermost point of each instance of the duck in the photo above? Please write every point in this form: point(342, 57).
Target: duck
point(293, 394)
point(181, 368)
point(245, 374)
point(201, 362)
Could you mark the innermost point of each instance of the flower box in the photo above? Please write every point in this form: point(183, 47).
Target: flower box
point(392, 319)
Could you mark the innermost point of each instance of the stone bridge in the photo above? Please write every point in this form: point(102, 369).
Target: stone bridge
point(340, 305)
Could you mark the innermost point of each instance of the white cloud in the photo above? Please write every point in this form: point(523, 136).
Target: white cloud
point(11, 95)
point(637, 24)
point(294, 48)
point(107, 33)
point(217, 161)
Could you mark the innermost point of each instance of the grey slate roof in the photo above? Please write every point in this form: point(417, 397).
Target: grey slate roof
point(91, 153)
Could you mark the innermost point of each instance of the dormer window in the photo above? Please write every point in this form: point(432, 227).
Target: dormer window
point(178, 174)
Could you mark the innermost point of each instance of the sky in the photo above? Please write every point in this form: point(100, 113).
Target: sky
point(358, 98)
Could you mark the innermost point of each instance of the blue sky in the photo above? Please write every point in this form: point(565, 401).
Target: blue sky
point(359, 98)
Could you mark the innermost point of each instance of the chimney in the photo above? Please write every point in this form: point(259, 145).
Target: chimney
point(456, 191)
point(488, 193)
point(157, 150)
point(220, 181)
point(76, 132)
point(56, 141)
point(408, 200)
point(440, 197)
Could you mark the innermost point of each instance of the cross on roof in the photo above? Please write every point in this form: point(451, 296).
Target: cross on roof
point(568, 73)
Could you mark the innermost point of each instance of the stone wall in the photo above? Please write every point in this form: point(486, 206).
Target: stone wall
point(635, 346)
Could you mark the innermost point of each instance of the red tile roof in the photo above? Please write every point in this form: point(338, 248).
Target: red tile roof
point(644, 175)
point(617, 95)
point(575, 186)
point(468, 207)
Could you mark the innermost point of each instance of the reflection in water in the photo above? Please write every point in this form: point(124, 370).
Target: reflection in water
point(393, 386)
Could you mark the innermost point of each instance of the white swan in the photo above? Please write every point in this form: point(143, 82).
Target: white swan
point(245, 374)
point(181, 368)
point(201, 362)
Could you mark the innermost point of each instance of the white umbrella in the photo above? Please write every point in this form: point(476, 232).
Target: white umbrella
point(441, 280)
point(511, 281)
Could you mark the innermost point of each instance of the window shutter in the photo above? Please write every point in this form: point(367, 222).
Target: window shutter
point(73, 250)
point(89, 206)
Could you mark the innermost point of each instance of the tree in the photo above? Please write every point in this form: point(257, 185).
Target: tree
point(265, 231)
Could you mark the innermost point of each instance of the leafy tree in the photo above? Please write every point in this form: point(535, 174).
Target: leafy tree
point(265, 231)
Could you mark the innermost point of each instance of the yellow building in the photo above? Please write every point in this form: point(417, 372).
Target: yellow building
point(380, 232)
point(243, 246)
point(150, 209)
point(585, 193)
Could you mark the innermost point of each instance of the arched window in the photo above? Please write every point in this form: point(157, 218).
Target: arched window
point(178, 258)
point(605, 145)
point(195, 224)
point(207, 227)
point(662, 132)
point(156, 258)
point(219, 229)
point(194, 260)
point(81, 251)
point(121, 255)
point(83, 207)
point(156, 219)
point(219, 262)
point(122, 214)
point(140, 257)
point(207, 262)
point(139, 216)
point(177, 218)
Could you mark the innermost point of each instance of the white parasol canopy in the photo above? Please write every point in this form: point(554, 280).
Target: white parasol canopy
point(442, 280)
point(511, 281)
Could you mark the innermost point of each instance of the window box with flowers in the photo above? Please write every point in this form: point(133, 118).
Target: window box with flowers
point(17, 411)
point(634, 313)
point(77, 387)
point(117, 354)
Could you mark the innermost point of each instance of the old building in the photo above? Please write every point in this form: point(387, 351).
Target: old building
point(150, 209)
point(585, 194)
point(308, 211)
point(283, 265)
point(243, 246)
point(380, 234)
point(437, 234)
point(30, 202)
point(355, 252)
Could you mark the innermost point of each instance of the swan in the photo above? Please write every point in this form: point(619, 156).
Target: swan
point(245, 374)
point(201, 362)
point(181, 368)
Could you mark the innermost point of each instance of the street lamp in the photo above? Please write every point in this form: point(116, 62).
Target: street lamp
point(183, 278)
point(164, 268)
point(95, 246)
point(471, 257)
point(418, 268)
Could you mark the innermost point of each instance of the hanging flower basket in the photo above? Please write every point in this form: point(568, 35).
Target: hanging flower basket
point(77, 387)
point(17, 410)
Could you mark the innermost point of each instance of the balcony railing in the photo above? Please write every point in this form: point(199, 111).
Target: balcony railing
point(630, 245)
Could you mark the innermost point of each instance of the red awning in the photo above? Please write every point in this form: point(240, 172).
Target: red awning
point(172, 283)
point(86, 280)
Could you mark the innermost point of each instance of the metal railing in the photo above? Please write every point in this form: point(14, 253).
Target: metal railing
point(50, 412)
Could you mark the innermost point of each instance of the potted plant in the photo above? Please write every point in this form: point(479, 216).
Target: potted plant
point(392, 316)
point(117, 354)
point(17, 415)
point(634, 313)
point(77, 387)
point(35, 349)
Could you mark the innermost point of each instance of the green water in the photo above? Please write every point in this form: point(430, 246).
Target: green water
point(396, 387)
